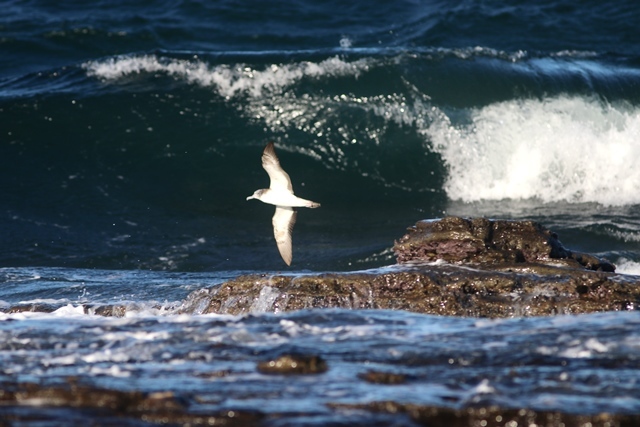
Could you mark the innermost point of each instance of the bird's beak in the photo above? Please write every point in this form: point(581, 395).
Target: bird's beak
point(250, 197)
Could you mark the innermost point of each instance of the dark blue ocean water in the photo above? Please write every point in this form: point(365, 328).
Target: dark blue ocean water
point(131, 134)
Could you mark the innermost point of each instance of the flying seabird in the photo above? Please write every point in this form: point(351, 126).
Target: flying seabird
point(280, 194)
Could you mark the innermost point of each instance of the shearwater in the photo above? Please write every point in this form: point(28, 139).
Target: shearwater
point(280, 194)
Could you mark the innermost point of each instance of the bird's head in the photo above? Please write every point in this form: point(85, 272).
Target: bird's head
point(256, 194)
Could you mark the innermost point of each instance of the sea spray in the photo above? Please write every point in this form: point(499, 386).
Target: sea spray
point(565, 148)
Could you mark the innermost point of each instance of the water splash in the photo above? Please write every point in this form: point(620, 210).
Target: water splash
point(574, 149)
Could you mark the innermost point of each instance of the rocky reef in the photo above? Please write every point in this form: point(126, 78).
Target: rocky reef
point(111, 407)
point(452, 266)
point(490, 243)
point(70, 402)
point(426, 415)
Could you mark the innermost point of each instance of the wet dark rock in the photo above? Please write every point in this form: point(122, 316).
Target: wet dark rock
point(490, 269)
point(100, 310)
point(159, 407)
point(489, 242)
point(165, 408)
point(214, 374)
point(292, 364)
point(108, 310)
point(491, 416)
point(31, 307)
point(388, 378)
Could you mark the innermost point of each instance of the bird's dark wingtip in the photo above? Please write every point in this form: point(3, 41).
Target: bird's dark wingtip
point(270, 147)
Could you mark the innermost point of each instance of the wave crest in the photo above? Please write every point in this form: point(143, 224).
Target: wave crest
point(562, 148)
point(228, 80)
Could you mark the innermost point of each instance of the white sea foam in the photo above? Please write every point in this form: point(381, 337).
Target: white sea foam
point(70, 310)
point(345, 42)
point(564, 148)
point(627, 266)
point(624, 234)
point(107, 355)
point(61, 360)
point(585, 349)
point(52, 301)
point(112, 371)
point(228, 80)
point(265, 300)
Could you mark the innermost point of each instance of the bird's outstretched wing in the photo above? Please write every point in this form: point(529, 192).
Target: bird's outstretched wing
point(283, 221)
point(279, 178)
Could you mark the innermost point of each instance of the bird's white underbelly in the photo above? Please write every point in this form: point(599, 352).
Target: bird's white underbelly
point(282, 198)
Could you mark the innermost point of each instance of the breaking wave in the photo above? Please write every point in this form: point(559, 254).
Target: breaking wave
point(574, 149)
point(229, 80)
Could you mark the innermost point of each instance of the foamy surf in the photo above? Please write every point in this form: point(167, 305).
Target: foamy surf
point(627, 266)
point(228, 80)
point(565, 148)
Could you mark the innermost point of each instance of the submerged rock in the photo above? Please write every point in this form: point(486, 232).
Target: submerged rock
point(99, 403)
point(387, 378)
point(89, 405)
point(30, 307)
point(453, 266)
point(490, 416)
point(292, 364)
